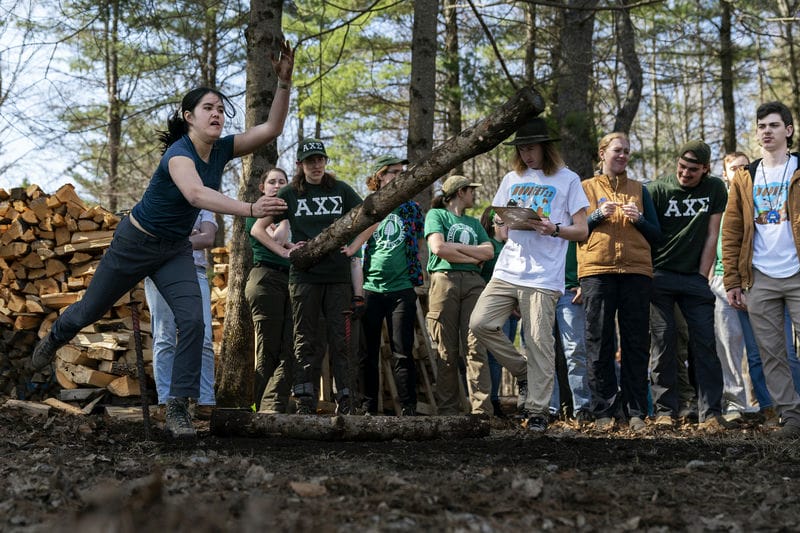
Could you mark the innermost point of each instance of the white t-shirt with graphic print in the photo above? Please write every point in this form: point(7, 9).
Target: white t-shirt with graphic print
point(530, 259)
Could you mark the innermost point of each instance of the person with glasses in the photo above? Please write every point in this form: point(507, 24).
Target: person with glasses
point(392, 269)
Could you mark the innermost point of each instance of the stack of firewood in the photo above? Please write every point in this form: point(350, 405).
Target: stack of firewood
point(219, 292)
point(50, 246)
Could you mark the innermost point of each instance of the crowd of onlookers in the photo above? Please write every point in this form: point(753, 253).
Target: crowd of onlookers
point(654, 292)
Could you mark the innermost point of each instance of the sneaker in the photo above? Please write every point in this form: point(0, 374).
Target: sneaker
point(45, 352)
point(715, 424)
point(203, 412)
point(636, 424)
point(343, 406)
point(537, 424)
point(664, 422)
point(788, 431)
point(498, 409)
point(305, 405)
point(178, 422)
point(408, 410)
point(522, 388)
point(771, 418)
point(604, 423)
point(583, 418)
point(688, 415)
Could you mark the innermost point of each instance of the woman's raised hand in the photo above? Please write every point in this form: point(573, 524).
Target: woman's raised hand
point(284, 62)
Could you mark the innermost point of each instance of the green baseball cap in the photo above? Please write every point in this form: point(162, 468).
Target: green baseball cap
point(309, 147)
point(385, 161)
point(452, 184)
point(701, 151)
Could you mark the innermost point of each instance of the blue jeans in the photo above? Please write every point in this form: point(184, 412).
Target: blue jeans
point(754, 359)
point(132, 256)
point(165, 340)
point(495, 368)
point(570, 325)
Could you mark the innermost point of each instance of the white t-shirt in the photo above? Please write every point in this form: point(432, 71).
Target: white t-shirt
point(774, 251)
point(530, 259)
point(200, 255)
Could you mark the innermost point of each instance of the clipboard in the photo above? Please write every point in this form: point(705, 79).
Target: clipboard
point(516, 217)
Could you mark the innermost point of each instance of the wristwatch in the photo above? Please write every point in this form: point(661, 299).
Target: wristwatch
point(556, 231)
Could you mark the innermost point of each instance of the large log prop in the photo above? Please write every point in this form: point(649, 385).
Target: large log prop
point(485, 135)
point(245, 423)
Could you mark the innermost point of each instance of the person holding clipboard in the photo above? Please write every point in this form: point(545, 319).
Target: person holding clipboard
point(530, 270)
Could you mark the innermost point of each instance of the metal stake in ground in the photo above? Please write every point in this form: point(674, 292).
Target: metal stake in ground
point(137, 340)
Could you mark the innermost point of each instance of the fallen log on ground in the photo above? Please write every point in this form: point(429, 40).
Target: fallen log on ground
point(244, 423)
point(481, 138)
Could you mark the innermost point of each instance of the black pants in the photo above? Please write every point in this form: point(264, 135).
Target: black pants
point(608, 299)
point(399, 310)
point(696, 302)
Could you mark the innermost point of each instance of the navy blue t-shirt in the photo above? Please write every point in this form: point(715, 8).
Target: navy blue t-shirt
point(163, 210)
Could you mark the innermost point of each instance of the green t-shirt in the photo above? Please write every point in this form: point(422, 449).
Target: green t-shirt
point(309, 216)
point(488, 267)
point(262, 254)
point(388, 267)
point(571, 266)
point(463, 229)
point(684, 215)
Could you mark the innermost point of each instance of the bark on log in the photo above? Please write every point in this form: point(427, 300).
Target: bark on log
point(244, 423)
point(485, 135)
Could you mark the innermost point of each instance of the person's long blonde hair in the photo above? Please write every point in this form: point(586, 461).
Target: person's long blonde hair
point(551, 159)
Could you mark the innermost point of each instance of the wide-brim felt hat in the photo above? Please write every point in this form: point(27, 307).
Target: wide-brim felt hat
point(532, 132)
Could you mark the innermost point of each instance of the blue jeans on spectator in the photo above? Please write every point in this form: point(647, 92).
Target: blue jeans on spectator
point(754, 359)
point(132, 256)
point(495, 368)
point(165, 340)
point(570, 326)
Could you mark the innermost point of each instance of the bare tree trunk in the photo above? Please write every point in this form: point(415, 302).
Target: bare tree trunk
point(452, 94)
point(530, 43)
point(574, 78)
point(422, 87)
point(726, 78)
point(626, 37)
point(235, 377)
point(473, 141)
point(789, 10)
point(114, 114)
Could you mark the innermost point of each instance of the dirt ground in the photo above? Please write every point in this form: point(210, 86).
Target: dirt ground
point(87, 474)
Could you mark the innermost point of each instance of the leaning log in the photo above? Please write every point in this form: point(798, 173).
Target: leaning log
point(485, 135)
point(244, 423)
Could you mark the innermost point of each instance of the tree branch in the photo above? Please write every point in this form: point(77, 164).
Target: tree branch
point(485, 135)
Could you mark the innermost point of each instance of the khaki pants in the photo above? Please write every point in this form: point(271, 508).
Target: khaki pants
point(450, 301)
point(766, 300)
point(538, 310)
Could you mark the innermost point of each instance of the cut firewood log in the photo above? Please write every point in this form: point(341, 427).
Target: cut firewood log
point(245, 423)
point(32, 408)
point(76, 355)
point(80, 395)
point(124, 386)
point(115, 340)
point(61, 299)
point(63, 406)
point(82, 375)
point(64, 380)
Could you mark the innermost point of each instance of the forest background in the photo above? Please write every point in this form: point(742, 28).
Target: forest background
point(84, 84)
